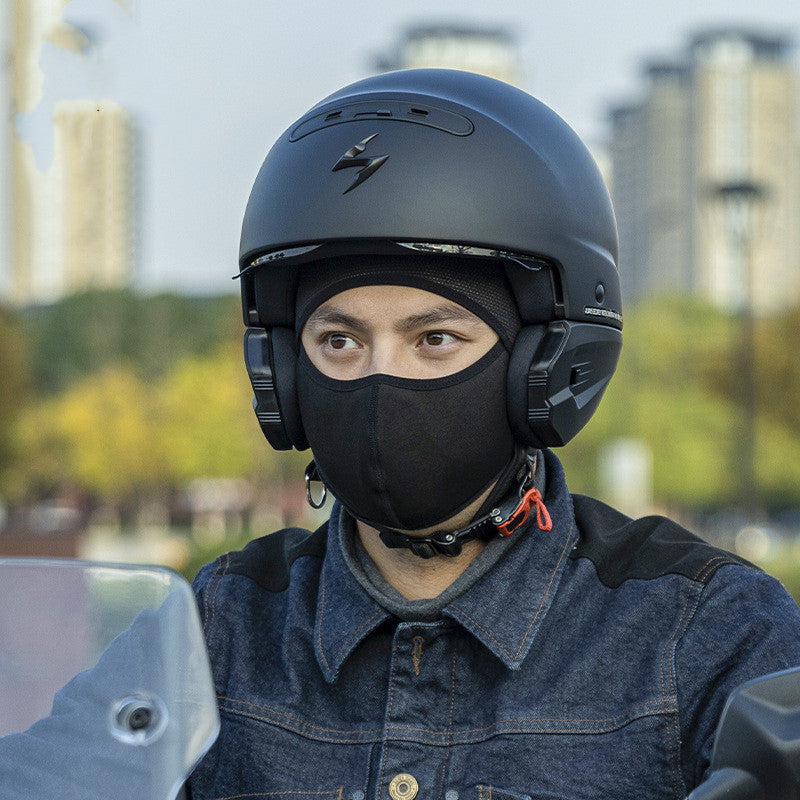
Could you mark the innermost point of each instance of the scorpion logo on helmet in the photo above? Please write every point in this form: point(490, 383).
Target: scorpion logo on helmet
point(353, 158)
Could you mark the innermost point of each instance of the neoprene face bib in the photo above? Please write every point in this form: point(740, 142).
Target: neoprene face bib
point(408, 453)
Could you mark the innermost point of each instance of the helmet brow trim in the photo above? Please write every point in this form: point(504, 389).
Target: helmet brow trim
point(523, 259)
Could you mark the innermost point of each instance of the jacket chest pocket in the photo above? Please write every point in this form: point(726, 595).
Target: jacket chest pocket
point(294, 795)
point(261, 761)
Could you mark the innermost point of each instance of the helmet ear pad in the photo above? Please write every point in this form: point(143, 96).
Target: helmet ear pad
point(270, 355)
point(557, 374)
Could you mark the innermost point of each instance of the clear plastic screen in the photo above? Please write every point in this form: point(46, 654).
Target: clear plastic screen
point(105, 686)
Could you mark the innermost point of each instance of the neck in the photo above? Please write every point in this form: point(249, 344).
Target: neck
point(422, 578)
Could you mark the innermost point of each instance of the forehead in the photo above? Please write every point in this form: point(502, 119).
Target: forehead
point(383, 303)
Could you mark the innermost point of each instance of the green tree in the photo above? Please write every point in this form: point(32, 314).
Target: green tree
point(15, 393)
point(778, 351)
point(677, 389)
point(208, 428)
point(99, 436)
point(84, 333)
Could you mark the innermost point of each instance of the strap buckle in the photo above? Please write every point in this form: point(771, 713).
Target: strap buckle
point(500, 521)
point(514, 512)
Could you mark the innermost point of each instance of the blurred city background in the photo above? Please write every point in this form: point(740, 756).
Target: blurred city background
point(134, 132)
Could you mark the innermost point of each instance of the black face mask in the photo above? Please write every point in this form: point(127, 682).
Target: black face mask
point(407, 453)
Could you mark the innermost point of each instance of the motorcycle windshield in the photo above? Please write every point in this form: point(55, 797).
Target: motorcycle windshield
point(105, 685)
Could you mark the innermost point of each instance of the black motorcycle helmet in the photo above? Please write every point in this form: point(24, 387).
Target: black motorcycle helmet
point(453, 163)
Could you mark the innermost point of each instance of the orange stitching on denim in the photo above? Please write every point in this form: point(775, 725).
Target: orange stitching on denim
point(337, 796)
point(513, 656)
point(219, 573)
point(449, 730)
point(671, 640)
point(568, 544)
point(452, 698)
point(356, 635)
point(655, 705)
point(383, 766)
point(395, 650)
point(636, 712)
point(384, 737)
point(292, 718)
point(684, 619)
point(644, 709)
point(321, 616)
point(667, 665)
point(442, 779)
point(706, 570)
point(205, 611)
point(206, 595)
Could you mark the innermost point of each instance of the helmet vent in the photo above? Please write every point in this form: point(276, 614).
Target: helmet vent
point(393, 110)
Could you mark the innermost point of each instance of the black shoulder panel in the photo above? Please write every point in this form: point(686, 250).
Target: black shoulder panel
point(267, 560)
point(622, 548)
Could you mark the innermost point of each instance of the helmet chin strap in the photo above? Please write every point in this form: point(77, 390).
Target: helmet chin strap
point(505, 518)
point(502, 520)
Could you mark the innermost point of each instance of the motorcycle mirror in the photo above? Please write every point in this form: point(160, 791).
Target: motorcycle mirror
point(756, 753)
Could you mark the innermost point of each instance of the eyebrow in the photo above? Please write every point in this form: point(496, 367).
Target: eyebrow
point(323, 317)
point(437, 315)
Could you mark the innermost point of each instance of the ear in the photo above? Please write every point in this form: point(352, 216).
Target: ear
point(557, 374)
point(271, 359)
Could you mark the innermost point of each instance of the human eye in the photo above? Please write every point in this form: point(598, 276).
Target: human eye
point(439, 339)
point(338, 341)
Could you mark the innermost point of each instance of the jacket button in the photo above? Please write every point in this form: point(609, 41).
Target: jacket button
point(403, 787)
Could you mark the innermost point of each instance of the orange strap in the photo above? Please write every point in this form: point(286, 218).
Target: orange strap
point(531, 498)
point(542, 514)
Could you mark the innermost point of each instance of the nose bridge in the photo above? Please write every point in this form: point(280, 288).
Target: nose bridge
point(385, 356)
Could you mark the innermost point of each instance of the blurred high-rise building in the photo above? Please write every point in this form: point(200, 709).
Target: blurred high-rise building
point(71, 220)
point(92, 160)
point(489, 51)
point(723, 114)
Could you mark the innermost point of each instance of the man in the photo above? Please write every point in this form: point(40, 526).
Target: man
point(429, 279)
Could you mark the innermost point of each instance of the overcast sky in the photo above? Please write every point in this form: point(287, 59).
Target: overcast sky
point(212, 83)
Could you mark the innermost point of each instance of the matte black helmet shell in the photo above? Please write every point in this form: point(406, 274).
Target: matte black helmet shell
point(449, 162)
point(434, 157)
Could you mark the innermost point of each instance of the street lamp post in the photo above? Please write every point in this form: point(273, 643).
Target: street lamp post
point(739, 202)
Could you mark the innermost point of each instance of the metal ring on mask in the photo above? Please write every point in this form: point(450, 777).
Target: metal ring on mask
point(312, 474)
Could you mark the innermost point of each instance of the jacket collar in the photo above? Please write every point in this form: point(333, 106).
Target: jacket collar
point(346, 614)
point(503, 610)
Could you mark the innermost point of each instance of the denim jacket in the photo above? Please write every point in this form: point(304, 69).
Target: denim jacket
point(592, 661)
